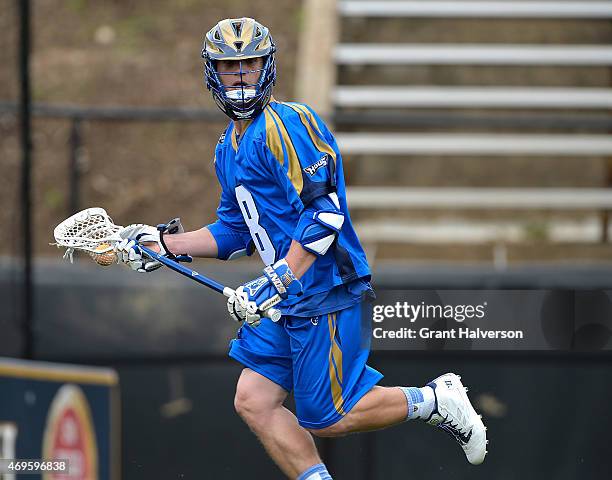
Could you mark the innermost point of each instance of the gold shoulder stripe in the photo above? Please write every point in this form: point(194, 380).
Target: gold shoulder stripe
point(247, 123)
point(234, 142)
point(309, 121)
point(294, 170)
point(273, 140)
point(335, 366)
point(302, 107)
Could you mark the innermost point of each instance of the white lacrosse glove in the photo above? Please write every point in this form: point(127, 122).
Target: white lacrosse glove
point(243, 310)
point(250, 300)
point(138, 233)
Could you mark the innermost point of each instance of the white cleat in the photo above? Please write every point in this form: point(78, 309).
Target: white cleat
point(454, 414)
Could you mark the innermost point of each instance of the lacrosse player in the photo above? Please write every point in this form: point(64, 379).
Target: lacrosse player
point(283, 194)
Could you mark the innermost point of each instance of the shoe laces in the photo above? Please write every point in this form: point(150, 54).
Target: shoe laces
point(455, 431)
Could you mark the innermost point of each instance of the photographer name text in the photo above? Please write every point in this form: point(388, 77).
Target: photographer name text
point(452, 333)
point(422, 311)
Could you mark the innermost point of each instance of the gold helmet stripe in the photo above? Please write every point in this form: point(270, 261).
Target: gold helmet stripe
point(237, 39)
point(239, 30)
point(212, 47)
point(229, 36)
point(247, 30)
point(265, 43)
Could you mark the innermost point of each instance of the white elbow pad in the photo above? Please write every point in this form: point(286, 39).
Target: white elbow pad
point(316, 231)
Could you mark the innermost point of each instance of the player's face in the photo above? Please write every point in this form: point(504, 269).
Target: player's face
point(229, 71)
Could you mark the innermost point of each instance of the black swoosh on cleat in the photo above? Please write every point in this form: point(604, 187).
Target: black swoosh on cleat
point(453, 431)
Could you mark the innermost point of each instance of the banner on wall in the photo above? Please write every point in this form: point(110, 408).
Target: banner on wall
point(55, 412)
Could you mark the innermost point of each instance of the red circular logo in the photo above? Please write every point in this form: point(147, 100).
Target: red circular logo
point(69, 435)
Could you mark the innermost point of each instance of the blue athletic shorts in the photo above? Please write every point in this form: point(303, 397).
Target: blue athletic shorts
point(322, 359)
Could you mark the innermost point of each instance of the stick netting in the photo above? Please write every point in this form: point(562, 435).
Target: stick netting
point(87, 230)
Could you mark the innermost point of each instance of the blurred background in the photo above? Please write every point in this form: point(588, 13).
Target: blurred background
point(477, 149)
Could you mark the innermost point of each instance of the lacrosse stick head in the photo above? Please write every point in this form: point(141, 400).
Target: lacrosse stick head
point(90, 230)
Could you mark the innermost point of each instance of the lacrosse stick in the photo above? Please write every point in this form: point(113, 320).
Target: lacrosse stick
point(93, 231)
point(272, 313)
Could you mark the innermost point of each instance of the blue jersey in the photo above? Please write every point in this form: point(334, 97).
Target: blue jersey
point(286, 158)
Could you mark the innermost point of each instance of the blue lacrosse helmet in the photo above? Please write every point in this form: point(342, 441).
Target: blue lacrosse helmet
point(239, 39)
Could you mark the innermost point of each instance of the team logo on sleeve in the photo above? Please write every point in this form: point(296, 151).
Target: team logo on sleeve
point(222, 138)
point(312, 169)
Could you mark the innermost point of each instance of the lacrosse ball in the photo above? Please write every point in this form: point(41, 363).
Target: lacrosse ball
point(105, 257)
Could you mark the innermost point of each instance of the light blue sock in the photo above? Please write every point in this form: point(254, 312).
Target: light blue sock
point(316, 472)
point(421, 402)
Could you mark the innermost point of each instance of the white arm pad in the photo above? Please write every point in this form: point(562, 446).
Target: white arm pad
point(317, 230)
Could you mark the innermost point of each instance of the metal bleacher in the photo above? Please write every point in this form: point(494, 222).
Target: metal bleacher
point(390, 146)
point(449, 54)
point(479, 9)
point(474, 144)
point(471, 97)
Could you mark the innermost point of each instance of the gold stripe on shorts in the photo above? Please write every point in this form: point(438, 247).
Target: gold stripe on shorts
point(335, 371)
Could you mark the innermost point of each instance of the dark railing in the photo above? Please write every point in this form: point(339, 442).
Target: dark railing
point(76, 115)
point(372, 119)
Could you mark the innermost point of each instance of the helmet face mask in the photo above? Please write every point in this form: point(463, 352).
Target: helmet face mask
point(238, 40)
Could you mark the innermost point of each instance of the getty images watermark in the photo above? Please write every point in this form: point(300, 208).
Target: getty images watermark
point(413, 313)
point(489, 320)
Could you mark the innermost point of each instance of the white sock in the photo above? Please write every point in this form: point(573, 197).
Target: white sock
point(421, 402)
point(316, 472)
